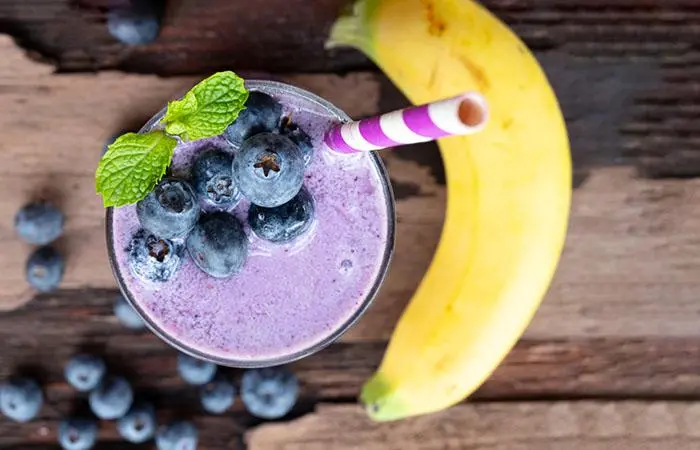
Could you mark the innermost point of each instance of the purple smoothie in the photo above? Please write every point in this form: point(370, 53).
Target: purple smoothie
point(289, 299)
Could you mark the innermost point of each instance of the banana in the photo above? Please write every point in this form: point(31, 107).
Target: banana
point(509, 193)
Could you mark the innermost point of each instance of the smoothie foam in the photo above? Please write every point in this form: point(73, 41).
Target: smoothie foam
point(288, 297)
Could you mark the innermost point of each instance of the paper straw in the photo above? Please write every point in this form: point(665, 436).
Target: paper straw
point(463, 114)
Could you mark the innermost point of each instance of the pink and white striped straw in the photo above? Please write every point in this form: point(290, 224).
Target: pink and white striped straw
point(464, 114)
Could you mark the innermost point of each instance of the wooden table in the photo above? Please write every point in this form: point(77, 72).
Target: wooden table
point(612, 359)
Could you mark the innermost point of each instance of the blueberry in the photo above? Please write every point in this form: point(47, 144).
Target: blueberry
point(261, 114)
point(269, 393)
point(44, 269)
point(39, 223)
point(152, 259)
point(285, 222)
point(84, 372)
point(213, 178)
point(300, 137)
point(170, 210)
point(218, 244)
point(195, 371)
point(139, 424)
point(21, 399)
point(112, 398)
point(217, 396)
point(177, 436)
point(127, 315)
point(136, 25)
point(269, 169)
point(77, 434)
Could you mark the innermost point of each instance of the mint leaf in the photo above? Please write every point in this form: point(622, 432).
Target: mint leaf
point(132, 166)
point(208, 108)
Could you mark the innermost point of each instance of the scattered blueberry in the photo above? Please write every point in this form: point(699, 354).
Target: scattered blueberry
point(44, 269)
point(170, 210)
point(139, 424)
point(300, 137)
point(84, 372)
point(153, 259)
point(213, 178)
point(177, 436)
point(269, 393)
point(218, 395)
point(112, 398)
point(127, 315)
point(218, 244)
point(195, 371)
point(136, 25)
point(39, 223)
point(285, 222)
point(21, 399)
point(261, 114)
point(269, 169)
point(77, 434)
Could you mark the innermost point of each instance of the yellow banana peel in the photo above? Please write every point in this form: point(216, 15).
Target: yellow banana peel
point(508, 197)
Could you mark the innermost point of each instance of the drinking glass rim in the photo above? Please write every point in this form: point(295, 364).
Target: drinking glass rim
point(170, 339)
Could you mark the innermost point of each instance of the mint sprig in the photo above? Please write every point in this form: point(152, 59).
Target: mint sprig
point(208, 108)
point(132, 167)
point(135, 163)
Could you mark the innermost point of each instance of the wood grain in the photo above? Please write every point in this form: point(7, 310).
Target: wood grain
point(38, 338)
point(201, 36)
point(497, 426)
point(54, 327)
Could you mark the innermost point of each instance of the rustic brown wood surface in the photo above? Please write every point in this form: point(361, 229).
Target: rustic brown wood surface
point(611, 360)
point(38, 338)
point(495, 426)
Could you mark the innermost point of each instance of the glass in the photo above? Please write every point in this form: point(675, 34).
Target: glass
point(285, 91)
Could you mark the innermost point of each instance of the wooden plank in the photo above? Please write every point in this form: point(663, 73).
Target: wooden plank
point(39, 338)
point(288, 35)
point(498, 426)
point(49, 330)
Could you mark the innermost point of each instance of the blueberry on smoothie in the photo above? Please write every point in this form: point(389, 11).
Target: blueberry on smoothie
point(261, 114)
point(218, 245)
point(269, 169)
point(138, 24)
point(213, 178)
point(39, 223)
point(285, 222)
point(20, 399)
point(269, 393)
point(177, 436)
point(152, 259)
point(170, 210)
point(195, 371)
point(218, 395)
point(77, 434)
point(127, 315)
point(300, 137)
point(112, 398)
point(84, 372)
point(139, 424)
point(44, 269)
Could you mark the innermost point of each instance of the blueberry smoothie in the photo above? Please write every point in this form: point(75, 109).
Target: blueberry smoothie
point(260, 245)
